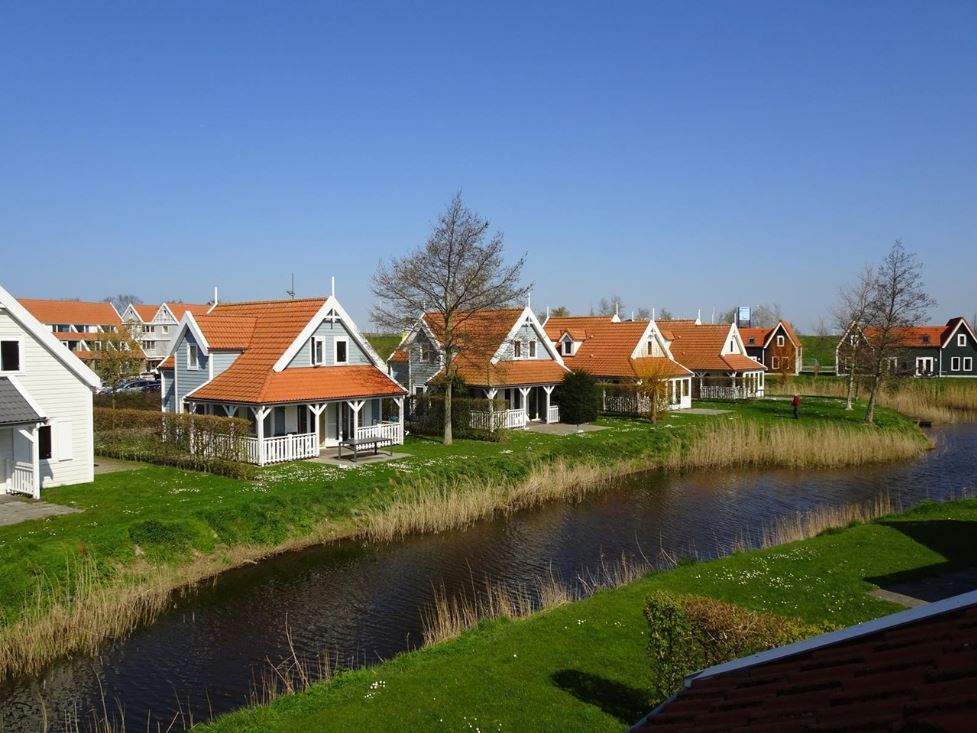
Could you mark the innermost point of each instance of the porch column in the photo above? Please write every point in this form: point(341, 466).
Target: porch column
point(524, 391)
point(36, 461)
point(548, 391)
point(355, 406)
point(317, 411)
point(400, 409)
point(260, 413)
point(229, 410)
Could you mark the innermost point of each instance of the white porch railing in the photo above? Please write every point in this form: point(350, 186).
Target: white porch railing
point(392, 431)
point(553, 414)
point(22, 480)
point(288, 448)
point(501, 420)
point(729, 393)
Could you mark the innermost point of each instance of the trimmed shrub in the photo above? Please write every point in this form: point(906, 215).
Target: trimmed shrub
point(471, 417)
point(578, 397)
point(689, 633)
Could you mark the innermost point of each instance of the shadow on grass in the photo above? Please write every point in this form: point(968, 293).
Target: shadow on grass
point(627, 704)
point(954, 540)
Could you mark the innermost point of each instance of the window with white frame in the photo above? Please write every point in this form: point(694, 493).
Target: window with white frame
point(968, 363)
point(318, 351)
point(775, 362)
point(532, 349)
point(517, 349)
point(10, 356)
point(567, 347)
point(193, 361)
point(955, 364)
point(342, 351)
point(780, 340)
point(425, 352)
point(961, 339)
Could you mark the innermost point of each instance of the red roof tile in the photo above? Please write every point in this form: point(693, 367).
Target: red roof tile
point(72, 311)
point(889, 679)
point(699, 347)
point(178, 309)
point(145, 311)
point(606, 346)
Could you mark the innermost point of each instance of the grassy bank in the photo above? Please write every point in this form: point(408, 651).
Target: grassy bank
point(583, 665)
point(74, 580)
point(937, 400)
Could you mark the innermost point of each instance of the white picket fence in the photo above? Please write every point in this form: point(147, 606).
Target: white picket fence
point(553, 414)
point(22, 481)
point(392, 431)
point(500, 420)
point(713, 392)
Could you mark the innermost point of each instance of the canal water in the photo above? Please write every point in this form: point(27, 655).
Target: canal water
point(361, 603)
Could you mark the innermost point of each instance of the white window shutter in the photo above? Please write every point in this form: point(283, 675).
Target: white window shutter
point(63, 440)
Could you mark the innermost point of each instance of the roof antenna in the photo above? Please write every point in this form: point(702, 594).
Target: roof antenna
point(529, 299)
point(652, 314)
point(291, 292)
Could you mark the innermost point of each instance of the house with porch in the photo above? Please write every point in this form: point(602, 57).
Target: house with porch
point(948, 350)
point(155, 326)
point(777, 348)
point(502, 354)
point(45, 406)
point(86, 329)
point(620, 351)
point(716, 355)
point(299, 370)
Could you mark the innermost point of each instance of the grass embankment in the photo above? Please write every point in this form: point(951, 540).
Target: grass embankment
point(937, 400)
point(384, 343)
point(71, 581)
point(819, 349)
point(583, 666)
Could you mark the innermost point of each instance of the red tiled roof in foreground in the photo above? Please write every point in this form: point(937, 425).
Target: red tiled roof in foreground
point(606, 347)
point(699, 347)
point(917, 675)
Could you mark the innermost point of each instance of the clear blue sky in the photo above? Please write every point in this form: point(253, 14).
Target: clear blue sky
point(684, 155)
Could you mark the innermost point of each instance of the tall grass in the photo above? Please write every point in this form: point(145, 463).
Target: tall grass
point(732, 443)
point(936, 400)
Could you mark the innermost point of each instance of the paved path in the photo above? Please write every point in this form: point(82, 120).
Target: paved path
point(918, 592)
point(14, 509)
point(328, 457)
point(701, 411)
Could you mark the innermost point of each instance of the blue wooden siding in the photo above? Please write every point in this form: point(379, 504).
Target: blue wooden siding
point(421, 371)
point(329, 332)
point(526, 333)
point(223, 360)
point(188, 380)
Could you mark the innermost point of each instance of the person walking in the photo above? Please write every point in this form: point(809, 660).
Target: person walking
point(796, 402)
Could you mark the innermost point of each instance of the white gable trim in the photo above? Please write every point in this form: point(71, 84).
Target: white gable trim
point(330, 309)
point(43, 334)
point(133, 316)
point(189, 323)
point(651, 330)
point(734, 333)
point(961, 322)
point(527, 317)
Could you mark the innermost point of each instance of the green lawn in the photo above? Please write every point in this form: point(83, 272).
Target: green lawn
point(173, 515)
point(383, 343)
point(820, 349)
point(582, 667)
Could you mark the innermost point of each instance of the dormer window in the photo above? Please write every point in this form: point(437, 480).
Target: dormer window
point(425, 353)
point(751, 340)
point(926, 338)
point(517, 349)
point(342, 351)
point(193, 358)
point(318, 352)
point(9, 356)
point(961, 339)
point(567, 347)
point(532, 349)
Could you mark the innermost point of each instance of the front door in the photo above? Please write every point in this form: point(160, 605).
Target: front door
point(532, 406)
point(329, 421)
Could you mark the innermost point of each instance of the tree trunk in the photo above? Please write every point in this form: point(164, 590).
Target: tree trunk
point(851, 380)
point(876, 383)
point(448, 390)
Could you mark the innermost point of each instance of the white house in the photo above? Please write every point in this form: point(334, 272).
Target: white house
point(45, 406)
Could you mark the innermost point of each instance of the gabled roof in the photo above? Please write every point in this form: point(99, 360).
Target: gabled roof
point(178, 309)
point(913, 670)
point(481, 335)
point(921, 337)
point(42, 333)
point(607, 345)
point(265, 332)
point(145, 311)
point(16, 405)
point(700, 346)
point(72, 311)
point(761, 335)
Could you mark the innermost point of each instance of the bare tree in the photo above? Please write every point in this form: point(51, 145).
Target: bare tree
point(117, 356)
point(898, 302)
point(665, 315)
point(122, 301)
point(765, 315)
point(610, 306)
point(643, 314)
point(459, 273)
point(850, 316)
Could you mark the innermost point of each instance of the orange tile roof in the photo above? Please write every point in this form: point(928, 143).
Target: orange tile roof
point(145, 311)
point(167, 363)
point(699, 347)
point(761, 334)
point(264, 330)
point(309, 384)
point(178, 309)
point(72, 311)
point(519, 372)
point(606, 346)
point(916, 336)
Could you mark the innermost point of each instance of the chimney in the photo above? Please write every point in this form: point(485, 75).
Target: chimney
point(332, 281)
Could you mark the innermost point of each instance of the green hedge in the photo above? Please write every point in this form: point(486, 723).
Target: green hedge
point(687, 633)
point(196, 442)
point(427, 417)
